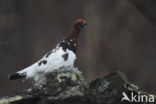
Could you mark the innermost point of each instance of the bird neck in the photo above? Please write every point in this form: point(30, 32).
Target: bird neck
point(74, 32)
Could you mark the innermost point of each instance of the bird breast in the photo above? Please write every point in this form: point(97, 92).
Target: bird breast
point(60, 58)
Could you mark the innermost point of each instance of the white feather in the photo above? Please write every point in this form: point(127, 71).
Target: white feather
point(54, 61)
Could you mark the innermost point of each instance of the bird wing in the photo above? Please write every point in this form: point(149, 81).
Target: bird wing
point(56, 58)
point(52, 60)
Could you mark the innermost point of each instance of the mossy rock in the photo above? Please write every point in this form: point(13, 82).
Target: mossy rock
point(61, 84)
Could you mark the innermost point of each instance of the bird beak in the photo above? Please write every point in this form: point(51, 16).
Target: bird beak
point(85, 23)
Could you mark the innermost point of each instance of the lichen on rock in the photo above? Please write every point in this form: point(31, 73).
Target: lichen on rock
point(10, 99)
point(67, 86)
point(61, 84)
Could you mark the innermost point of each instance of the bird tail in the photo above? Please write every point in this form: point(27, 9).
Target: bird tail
point(16, 76)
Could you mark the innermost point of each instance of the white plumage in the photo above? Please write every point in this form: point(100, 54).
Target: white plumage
point(54, 61)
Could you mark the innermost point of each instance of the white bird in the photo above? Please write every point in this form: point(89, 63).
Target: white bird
point(64, 54)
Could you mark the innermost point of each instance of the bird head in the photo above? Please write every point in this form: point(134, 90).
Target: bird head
point(81, 22)
point(75, 30)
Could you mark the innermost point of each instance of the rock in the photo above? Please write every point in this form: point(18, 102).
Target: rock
point(20, 98)
point(67, 86)
point(67, 82)
point(107, 90)
point(110, 88)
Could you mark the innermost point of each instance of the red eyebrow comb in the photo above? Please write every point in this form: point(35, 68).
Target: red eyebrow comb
point(79, 20)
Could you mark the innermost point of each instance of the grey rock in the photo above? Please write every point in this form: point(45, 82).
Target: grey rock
point(67, 86)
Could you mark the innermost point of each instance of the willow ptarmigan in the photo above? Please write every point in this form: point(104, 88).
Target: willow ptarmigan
point(64, 54)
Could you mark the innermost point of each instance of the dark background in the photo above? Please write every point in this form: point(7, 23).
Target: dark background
point(120, 35)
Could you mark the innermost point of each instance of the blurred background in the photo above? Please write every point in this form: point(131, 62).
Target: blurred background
point(120, 36)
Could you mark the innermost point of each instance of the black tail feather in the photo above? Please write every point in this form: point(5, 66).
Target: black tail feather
point(16, 76)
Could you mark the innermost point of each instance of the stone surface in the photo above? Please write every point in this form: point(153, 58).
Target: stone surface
point(62, 84)
point(67, 86)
